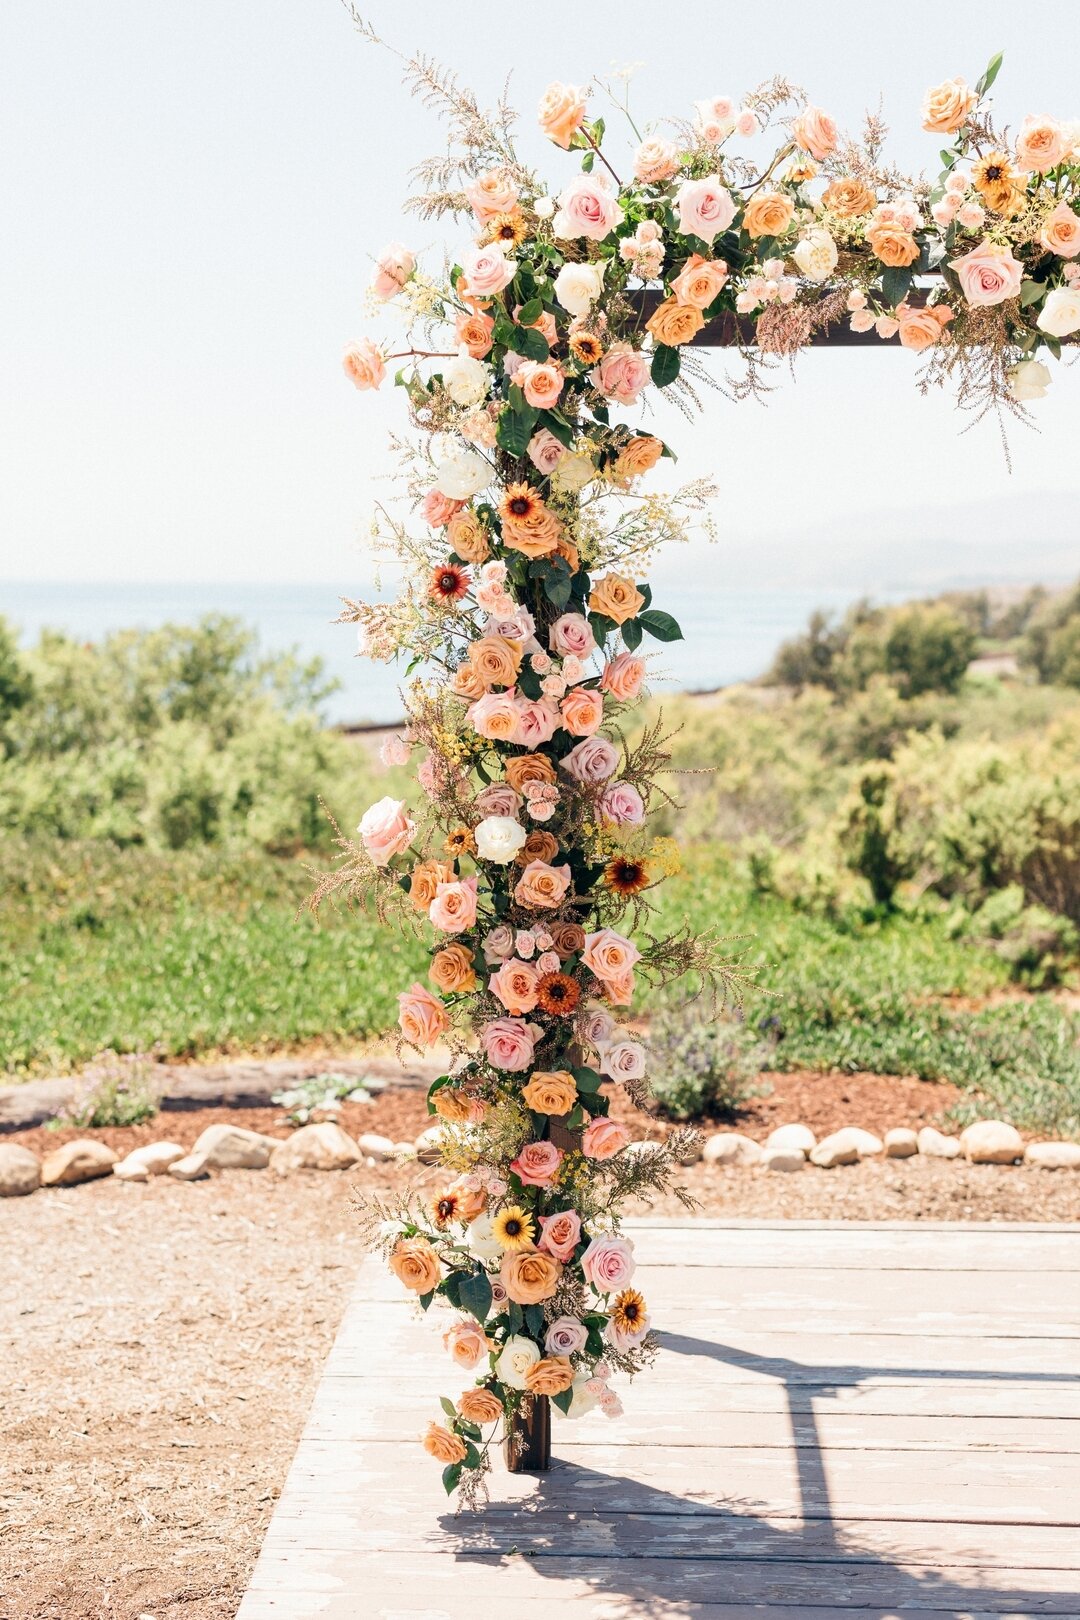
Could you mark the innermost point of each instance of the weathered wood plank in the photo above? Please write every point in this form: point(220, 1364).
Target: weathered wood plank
point(400, 1605)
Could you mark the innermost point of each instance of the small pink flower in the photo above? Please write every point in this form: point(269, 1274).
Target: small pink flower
point(862, 320)
point(393, 268)
point(525, 943)
point(548, 962)
point(886, 326)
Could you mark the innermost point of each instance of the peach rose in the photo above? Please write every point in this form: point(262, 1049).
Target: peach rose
point(385, 829)
point(1040, 145)
point(621, 374)
point(537, 1165)
point(466, 1341)
point(474, 333)
point(466, 683)
point(608, 954)
point(424, 884)
point(550, 1093)
point(457, 1108)
point(515, 985)
point(509, 1043)
point(948, 106)
point(496, 660)
point(894, 247)
point(706, 207)
point(768, 213)
point(849, 199)
point(623, 677)
point(551, 1376)
point(619, 989)
point(617, 598)
point(416, 1265)
point(523, 768)
point(468, 537)
point(561, 113)
point(988, 274)
point(363, 364)
point(480, 1406)
point(393, 268)
point(454, 906)
point(534, 536)
point(542, 887)
point(495, 716)
point(493, 192)
point(639, 456)
point(539, 846)
point(438, 509)
point(451, 970)
point(603, 1139)
point(540, 383)
point(529, 1276)
point(673, 323)
point(442, 1445)
point(814, 132)
point(560, 1234)
point(582, 711)
point(421, 1017)
point(921, 328)
point(655, 161)
point(1061, 232)
point(700, 281)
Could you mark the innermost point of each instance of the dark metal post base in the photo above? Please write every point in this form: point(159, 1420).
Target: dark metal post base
point(527, 1447)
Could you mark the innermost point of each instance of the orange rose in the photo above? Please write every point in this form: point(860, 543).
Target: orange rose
point(1061, 232)
point(542, 887)
point(496, 660)
point(699, 281)
point(468, 537)
point(455, 1106)
point(529, 1276)
point(768, 213)
point(849, 199)
point(426, 877)
point(617, 598)
point(561, 113)
point(554, 1093)
point(528, 768)
point(920, 328)
point(639, 456)
point(416, 1265)
point(582, 710)
point(451, 969)
point(674, 323)
point(550, 1376)
point(535, 536)
point(894, 247)
point(466, 683)
point(539, 846)
point(442, 1445)
point(474, 333)
point(480, 1406)
point(947, 106)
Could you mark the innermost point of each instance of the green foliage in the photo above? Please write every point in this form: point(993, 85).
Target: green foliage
point(701, 1067)
point(921, 647)
point(117, 1089)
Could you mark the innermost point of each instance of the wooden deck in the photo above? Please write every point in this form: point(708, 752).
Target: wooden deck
point(873, 1419)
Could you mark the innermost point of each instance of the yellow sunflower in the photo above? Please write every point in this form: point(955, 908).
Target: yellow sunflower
point(628, 1312)
point(513, 1228)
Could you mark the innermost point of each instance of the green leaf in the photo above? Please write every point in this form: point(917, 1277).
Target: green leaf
point(557, 589)
point(587, 162)
point(563, 1400)
point(533, 345)
point(1031, 292)
point(594, 1344)
point(534, 1319)
point(530, 313)
point(451, 1287)
point(426, 1299)
point(476, 1295)
point(448, 1407)
point(993, 68)
point(450, 1476)
point(515, 429)
point(575, 1119)
point(517, 1319)
point(895, 285)
point(471, 1458)
point(666, 363)
point(632, 634)
point(587, 1079)
point(558, 427)
point(660, 624)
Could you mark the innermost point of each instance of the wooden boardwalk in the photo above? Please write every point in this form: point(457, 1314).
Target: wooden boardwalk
point(881, 1419)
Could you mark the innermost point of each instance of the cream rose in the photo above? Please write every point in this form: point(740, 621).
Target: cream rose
point(1060, 314)
point(498, 839)
point(465, 379)
point(816, 255)
point(1029, 379)
point(462, 475)
point(578, 286)
point(518, 1355)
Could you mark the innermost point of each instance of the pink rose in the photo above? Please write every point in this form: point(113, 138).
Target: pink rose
point(364, 364)
point(386, 829)
point(393, 268)
point(623, 1060)
point(422, 1018)
point(509, 1043)
point(620, 803)
point(495, 716)
point(610, 1403)
point(549, 962)
point(541, 383)
point(609, 955)
point(603, 1138)
point(515, 985)
point(537, 1164)
point(538, 721)
point(591, 761)
point(862, 320)
point(572, 633)
point(597, 1026)
point(498, 799)
point(1061, 231)
point(706, 207)
point(566, 1336)
point(394, 751)
point(988, 274)
point(487, 271)
point(545, 452)
point(498, 944)
point(454, 906)
point(560, 1234)
point(525, 943)
point(815, 132)
point(582, 711)
point(655, 161)
point(438, 508)
point(493, 192)
point(621, 374)
point(608, 1263)
point(623, 677)
point(587, 208)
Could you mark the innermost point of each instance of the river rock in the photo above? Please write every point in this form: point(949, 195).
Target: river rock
point(901, 1143)
point(315, 1147)
point(867, 1144)
point(791, 1139)
point(376, 1147)
point(192, 1167)
point(729, 1148)
point(20, 1171)
point(230, 1147)
point(839, 1148)
point(130, 1170)
point(76, 1161)
point(1045, 1155)
point(155, 1157)
point(787, 1159)
point(991, 1141)
point(934, 1145)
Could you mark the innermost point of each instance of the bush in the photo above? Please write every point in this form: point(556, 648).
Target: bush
point(921, 647)
point(703, 1069)
point(114, 1090)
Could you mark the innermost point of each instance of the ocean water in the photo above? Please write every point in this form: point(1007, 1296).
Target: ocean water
point(731, 634)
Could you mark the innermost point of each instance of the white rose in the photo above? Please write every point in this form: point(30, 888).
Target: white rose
point(573, 473)
point(466, 379)
point(816, 255)
point(581, 1401)
point(498, 838)
point(544, 207)
point(462, 475)
point(578, 286)
point(518, 1355)
point(1060, 314)
point(1029, 379)
point(480, 1239)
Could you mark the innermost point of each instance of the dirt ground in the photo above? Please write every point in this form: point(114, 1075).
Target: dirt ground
point(160, 1343)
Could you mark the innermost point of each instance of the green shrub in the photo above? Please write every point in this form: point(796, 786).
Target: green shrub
point(700, 1068)
point(114, 1090)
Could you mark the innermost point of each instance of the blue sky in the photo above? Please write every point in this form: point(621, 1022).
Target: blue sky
point(192, 196)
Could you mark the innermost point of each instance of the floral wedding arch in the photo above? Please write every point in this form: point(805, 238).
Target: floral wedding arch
point(527, 852)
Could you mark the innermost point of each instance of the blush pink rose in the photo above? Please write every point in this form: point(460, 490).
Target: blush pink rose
point(591, 761)
point(394, 751)
point(597, 1026)
point(609, 955)
point(623, 677)
point(493, 192)
point(988, 274)
point(548, 962)
point(544, 451)
point(541, 383)
point(620, 803)
point(538, 721)
point(566, 1336)
point(1041, 144)
point(393, 268)
point(537, 1164)
point(498, 799)
point(603, 1138)
point(454, 906)
point(509, 1043)
point(608, 1263)
point(386, 829)
point(623, 1060)
point(495, 716)
point(621, 374)
point(363, 364)
point(815, 132)
point(587, 208)
point(706, 207)
point(515, 986)
point(438, 508)
point(498, 944)
point(422, 1018)
point(572, 633)
point(487, 271)
point(560, 1234)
